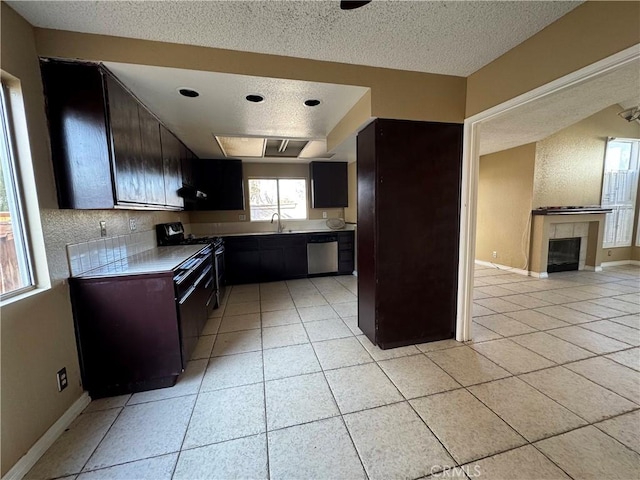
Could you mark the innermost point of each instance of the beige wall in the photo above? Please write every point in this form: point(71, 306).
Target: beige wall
point(569, 164)
point(351, 212)
point(591, 32)
point(505, 191)
point(37, 333)
point(267, 170)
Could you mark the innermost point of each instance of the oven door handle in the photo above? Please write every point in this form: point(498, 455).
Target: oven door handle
point(187, 294)
point(202, 276)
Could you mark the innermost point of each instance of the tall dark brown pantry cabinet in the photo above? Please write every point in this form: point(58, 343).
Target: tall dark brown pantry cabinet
point(408, 230)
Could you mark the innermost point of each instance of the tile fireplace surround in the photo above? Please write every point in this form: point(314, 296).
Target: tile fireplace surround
point(588, 226)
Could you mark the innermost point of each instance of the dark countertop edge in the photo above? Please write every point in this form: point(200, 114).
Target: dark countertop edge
point(586, 211)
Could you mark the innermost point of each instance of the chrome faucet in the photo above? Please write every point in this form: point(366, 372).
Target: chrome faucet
point(280, 226)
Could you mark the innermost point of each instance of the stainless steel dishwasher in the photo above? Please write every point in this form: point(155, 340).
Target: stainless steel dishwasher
point(322, 253)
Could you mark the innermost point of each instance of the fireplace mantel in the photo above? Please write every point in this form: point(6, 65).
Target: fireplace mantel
point(595, 210)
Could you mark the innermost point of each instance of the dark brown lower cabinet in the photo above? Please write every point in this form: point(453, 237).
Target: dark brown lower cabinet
point(127, 332)
point(408, 230)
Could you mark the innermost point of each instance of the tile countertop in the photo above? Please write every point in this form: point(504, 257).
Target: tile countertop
point(155, 260)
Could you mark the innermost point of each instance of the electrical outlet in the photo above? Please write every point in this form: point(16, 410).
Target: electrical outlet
point(494, 254)
point(242, 218)
point(324, 214)
point(132, 224)
point(63, 381)
point(609, 252)
point(103, 228)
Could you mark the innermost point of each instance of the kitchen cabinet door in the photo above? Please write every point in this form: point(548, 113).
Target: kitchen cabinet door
point(295, 255)
point(242, 259)
point(223, 182)
point(171, 167)
point(132, 341)
point(271, 264)
point(329, 184)
point(187, 163)
point(345, 253)
point(126, 144)
point(152, 158)
point(78, 131)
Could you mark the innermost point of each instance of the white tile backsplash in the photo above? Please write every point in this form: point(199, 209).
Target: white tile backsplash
point(86, 256)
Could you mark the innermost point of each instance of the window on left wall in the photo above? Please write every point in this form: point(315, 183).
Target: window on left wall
point(16, 274)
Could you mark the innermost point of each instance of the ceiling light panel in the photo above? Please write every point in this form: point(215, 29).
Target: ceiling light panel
point(284, 148)
point(241, 146)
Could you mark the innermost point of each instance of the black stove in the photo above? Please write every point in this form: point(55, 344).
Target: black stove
point(173, 234)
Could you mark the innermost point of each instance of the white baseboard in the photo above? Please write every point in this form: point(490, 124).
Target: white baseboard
point(620, 262)
point(29, 459)
point(519, 271)
point(539, 274)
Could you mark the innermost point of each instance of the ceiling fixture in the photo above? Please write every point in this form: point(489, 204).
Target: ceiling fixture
point(631, 114)
point(188, 92)
point(241, 146)
point(283, 146)
point(353, 4)
point(255, 98)
point(312, 102)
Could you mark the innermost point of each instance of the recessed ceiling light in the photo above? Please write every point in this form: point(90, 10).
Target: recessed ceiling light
point(188, 92)
point(312, 102)
point(353, 4)
point(255, 98)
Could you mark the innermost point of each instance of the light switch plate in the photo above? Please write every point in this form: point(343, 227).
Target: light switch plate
point(103, 228)
point(324, 214)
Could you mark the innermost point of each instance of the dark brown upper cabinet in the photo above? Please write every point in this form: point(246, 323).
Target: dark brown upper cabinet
point(172, 166)
point(106, 146)
point(408, 230)
point(329, 185)
point(222, 180)
point(152, 161)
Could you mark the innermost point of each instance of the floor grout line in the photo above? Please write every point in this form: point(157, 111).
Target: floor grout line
point(596, 286)
point(344, 423)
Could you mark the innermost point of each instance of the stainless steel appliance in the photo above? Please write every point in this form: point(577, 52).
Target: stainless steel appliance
point(173, 234)
point(322, 253)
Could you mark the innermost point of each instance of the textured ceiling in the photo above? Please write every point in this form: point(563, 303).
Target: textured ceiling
point(454, 38)
point(221, 108)
point(539, 119)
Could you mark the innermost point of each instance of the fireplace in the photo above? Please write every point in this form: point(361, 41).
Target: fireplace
point(562, 223)
point(564, 254)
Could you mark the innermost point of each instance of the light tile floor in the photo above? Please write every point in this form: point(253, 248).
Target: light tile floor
point(284, 385)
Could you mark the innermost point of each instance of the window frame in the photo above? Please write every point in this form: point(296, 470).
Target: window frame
point(15, 197)
point(635, 157)
point(277, 179)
